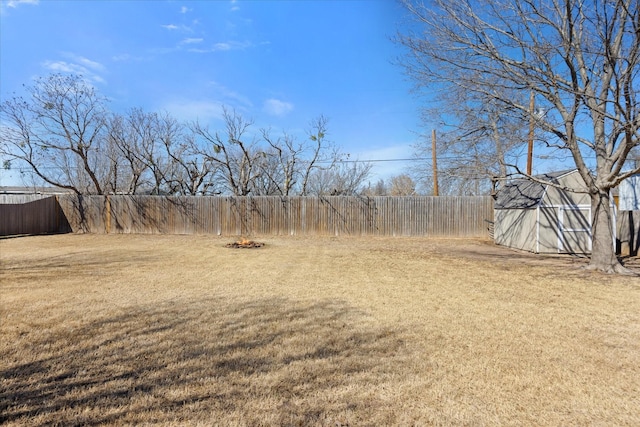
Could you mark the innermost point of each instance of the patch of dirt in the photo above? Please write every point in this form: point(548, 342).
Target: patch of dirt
point(487, 250)
point(245, 244)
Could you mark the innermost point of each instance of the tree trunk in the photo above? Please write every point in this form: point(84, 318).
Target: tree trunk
point(603, 256)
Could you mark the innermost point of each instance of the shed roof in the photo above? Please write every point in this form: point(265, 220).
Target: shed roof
point(523, 193)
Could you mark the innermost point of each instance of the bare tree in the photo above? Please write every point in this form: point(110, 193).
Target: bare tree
point(343, 178)
point(265, 165)
point(235, 152)
point(482, 136)
point(130, 135)
point(69, 139)
point(280, 168)
point(58, 132)
point(189, 172)
point(290, 163)
point(322, 151)
point(580, 59)
point(377, 189)
point(141, 139)
point(402, 185)
point(161, 134)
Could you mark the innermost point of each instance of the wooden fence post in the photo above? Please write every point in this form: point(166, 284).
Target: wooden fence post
point(107, 213)
point(58, 208)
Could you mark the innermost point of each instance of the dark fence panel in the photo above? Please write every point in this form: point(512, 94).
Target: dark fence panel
point(41, 216)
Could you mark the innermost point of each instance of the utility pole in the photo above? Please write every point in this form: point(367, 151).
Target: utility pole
point(531, 127)
point(435, 163)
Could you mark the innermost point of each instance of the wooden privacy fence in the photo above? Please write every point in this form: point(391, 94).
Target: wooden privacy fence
point(273, 215)
point(40, 216)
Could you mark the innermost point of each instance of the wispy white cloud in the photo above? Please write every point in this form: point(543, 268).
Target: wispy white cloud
point(209, 105)
point(7, 5)
point(231, 45)
point(181, 28)
point(66, 67)
point(77, 64)
point(185, 9)
point(85, 62)
point(16, 3)
point(126, 57)
point(224, 47)
point(221, 46)
point(276, 107)
point(230, 96)
point(192, 41)
point(192, 110)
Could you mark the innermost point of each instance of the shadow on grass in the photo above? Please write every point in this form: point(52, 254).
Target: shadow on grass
point(513, 257)
point(267, 362)
point(83, 262)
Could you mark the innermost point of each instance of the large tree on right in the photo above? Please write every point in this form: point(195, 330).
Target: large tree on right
point(578, 57)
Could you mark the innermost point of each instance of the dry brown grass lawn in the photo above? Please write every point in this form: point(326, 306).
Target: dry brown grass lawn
point(180, 330)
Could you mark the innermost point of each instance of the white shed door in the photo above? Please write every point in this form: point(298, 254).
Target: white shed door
point(574, 230)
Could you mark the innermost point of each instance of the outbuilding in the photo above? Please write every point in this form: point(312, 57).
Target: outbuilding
point(628, 219)
point(543, 218)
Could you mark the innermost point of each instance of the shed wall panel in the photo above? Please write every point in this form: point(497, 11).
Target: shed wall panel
point(516, 228)
point(548, 231)
point(558, 197)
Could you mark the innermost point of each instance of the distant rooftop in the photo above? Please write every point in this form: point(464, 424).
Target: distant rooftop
point(32, 190)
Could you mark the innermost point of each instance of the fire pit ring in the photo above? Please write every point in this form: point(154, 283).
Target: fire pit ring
point(245, 244)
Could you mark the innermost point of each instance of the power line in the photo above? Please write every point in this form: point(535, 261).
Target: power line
point(412, 159)
point(375, 160)
point(428, 159)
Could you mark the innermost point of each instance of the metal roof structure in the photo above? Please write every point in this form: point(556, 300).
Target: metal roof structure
point(524, 193)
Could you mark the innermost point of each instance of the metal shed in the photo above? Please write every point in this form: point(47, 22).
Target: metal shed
point(544, 219)
point(628, 220)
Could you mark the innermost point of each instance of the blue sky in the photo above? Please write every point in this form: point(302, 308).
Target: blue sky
point(280, 63)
